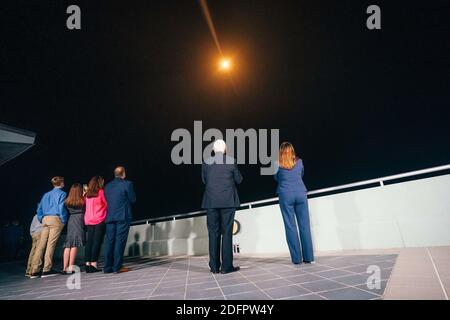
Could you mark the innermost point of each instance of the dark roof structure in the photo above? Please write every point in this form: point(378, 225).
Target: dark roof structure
point(14, 142)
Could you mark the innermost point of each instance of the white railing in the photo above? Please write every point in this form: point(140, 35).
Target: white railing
point(379, 181)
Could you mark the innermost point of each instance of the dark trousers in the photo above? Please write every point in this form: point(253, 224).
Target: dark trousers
point(95, 235)
point(12, 248)
point(116, 240)
point(220, 229)
point(294, 206)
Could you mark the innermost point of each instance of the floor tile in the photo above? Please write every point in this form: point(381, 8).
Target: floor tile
point(284, 292)
point(322, 285)
point(348, 294)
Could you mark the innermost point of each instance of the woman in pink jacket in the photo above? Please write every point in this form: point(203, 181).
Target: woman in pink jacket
point(94, 219)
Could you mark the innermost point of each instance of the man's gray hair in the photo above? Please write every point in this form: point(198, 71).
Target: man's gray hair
point(219, 146)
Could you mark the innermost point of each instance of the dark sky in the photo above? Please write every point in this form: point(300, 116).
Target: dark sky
point(357, 104)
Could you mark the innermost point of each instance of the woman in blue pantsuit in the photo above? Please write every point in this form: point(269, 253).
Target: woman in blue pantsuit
point(294, 205)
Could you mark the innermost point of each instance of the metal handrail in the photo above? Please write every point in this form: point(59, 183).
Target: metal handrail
point(379, 181)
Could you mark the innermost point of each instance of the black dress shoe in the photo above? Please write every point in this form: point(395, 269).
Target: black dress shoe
point(66, 273)
point(215, 271)
point(234, 269)
point(94, 269)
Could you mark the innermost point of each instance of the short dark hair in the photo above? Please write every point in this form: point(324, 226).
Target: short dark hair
point(57, 181)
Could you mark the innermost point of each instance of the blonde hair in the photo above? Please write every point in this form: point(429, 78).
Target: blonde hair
point(287, 157)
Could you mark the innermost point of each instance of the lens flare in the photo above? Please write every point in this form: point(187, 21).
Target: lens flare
point(208, 18)
point(225, 64)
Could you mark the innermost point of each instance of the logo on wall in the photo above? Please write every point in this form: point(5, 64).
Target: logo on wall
point(236, 227)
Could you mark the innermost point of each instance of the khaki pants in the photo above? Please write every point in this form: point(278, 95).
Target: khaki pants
point(35, 240)
point(50, 233)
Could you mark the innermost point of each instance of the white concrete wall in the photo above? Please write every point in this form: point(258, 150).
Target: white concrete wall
point(179, 237)
point(408, 214)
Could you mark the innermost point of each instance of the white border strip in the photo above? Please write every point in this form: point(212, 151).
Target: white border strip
point(437, 274)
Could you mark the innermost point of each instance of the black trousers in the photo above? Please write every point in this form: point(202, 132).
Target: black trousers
point(220, 231)
point(95, 235)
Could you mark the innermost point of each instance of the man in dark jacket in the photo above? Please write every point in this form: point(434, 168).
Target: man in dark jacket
point(220, 175)
point(119, 195)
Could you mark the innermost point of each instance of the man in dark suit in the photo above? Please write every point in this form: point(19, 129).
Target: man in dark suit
point(220, 175)
point(119, 195)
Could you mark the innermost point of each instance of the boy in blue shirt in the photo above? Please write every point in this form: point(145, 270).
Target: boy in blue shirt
point(53, 216)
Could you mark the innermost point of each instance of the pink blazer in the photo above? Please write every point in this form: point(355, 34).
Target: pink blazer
point(95, 209)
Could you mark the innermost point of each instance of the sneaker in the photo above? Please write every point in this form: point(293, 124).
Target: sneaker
point(50, 273)
point(35, 275)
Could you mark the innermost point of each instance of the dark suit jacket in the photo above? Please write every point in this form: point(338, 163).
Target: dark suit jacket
point(220, 175)
point(119, 195)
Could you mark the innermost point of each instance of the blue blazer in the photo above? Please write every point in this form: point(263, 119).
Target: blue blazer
point(220, 175)
point(290, 181)
point(119, 195)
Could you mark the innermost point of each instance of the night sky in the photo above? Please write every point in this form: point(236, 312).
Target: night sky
point(357, 104)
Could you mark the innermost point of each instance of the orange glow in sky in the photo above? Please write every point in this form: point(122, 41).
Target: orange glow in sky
point(225, 64)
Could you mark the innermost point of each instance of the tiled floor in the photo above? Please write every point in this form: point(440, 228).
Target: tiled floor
point(421, 273)
point(331, 277)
